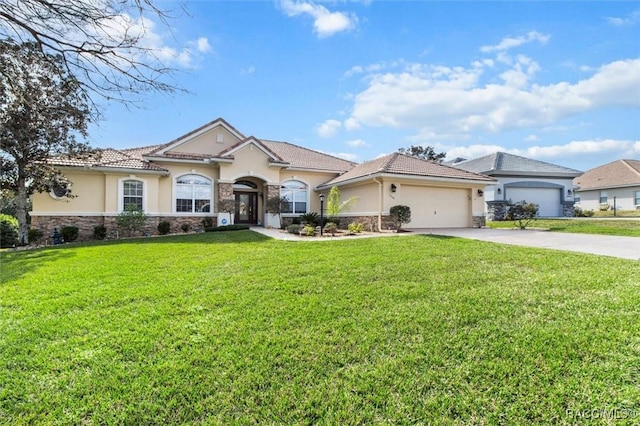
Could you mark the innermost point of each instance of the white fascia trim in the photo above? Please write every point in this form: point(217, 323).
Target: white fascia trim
point(255, 142)
point(276, 164)
point(305, 169)
point(176, 160)
point(424, 179)
point(121, 170)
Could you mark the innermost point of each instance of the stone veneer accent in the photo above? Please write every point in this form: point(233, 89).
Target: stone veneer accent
point(225, 191)
point(568, 209)
point(86, 224)
point(478, 221)
point(272, 191)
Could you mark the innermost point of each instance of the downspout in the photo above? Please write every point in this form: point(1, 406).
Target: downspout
point(379, 204)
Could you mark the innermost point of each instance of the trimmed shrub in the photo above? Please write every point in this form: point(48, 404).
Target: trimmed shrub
point(355, 227)
point(164, 227)
point(578, 212)
point(294, 229)
point(132, 219)
point(522, 213)
point(207, 222)
point(69, 233)
point(186, 227)
point(34, 235)
point(400, 215)
point(309, 230)
point(99, 232)
point(8, 231)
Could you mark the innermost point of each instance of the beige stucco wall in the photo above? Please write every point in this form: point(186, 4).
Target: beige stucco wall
point(312, 179)
point(249, 161)
point(89, 191)
point(207, 142)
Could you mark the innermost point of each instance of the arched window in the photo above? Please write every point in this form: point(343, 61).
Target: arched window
point(244, 185)
point(193, 194)
point(132, 193)
point(295, 194)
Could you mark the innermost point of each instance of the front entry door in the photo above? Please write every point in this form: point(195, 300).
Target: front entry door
point(246, 207)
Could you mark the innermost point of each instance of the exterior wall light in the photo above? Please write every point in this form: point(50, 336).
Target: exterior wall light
point(480, 192)
point(394, 188)
point(499, 191)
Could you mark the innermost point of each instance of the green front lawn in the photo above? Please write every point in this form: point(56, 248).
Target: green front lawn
point(628, 228)
point(234, 328)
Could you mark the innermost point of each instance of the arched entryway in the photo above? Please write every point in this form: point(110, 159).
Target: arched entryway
point(246, 193)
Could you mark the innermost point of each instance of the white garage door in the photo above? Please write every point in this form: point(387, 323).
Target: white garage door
point(437, 207)
point(547, 199)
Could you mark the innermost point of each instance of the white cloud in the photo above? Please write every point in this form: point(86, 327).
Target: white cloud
point(622, 148)
point(351, 124)
point(328, 129)
point(203, 45)
point(326, 23)
point(439, 101)
point(511, 42)
point(357, 143)
point(631, 19)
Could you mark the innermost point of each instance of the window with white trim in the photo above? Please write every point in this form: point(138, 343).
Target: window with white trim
point(296, 195)
point(133, 193)
point(193, 194)
point(603, 197)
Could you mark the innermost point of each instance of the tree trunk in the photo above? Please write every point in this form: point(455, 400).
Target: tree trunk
point(21, 212)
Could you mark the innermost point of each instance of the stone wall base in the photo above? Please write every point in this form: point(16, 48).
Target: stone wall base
point(86, 224)
point(478, 221)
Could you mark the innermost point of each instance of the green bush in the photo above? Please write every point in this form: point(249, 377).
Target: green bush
point(521, 213)
point(99, 232)
point(186, 227)
point(132, 219)
point(8, 231)
point(309, 230)
point(164, 227)
point(238, 227)
point(331, 228)
point(331, 219)
point(578, 212)
point(311, 218)
point(400, 215)
point(294, 228)
point(34, 235)
point(69, 233)
point(355, 228)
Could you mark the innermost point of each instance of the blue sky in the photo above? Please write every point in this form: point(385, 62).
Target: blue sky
point(555, 81)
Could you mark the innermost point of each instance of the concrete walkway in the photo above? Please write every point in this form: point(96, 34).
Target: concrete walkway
point(603, 245)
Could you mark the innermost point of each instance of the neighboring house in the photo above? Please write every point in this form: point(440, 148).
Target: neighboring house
point(216, 167)
point(524, 179)
point(615, 184)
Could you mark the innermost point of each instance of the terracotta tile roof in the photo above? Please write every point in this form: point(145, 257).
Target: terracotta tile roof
point(612, 175)
point(305, 158)
point(502, 163)
point(401, 164)
point(129, 159)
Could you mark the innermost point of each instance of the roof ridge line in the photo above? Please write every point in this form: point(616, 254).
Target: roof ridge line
point(633, 170)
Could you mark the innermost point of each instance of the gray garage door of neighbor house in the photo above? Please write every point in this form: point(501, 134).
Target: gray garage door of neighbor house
point(547, 199)
point(437, 207)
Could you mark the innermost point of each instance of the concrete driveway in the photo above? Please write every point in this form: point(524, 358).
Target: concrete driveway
point(604, 245)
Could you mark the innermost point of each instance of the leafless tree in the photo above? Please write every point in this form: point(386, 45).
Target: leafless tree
point(101, 42)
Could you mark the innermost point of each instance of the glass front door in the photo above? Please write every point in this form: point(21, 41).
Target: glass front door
point(246, 207)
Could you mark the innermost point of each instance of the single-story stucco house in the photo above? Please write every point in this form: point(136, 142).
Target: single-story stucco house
point(616, 183)
point(523, 179)
point(189, 178)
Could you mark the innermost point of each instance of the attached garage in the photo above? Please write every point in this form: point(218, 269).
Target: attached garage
point(547, 199)
point(433, 207)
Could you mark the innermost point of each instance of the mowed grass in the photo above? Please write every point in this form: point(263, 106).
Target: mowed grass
point(626, 228)
point(235, 328)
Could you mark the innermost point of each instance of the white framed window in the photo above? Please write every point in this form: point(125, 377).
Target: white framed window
point(193, 194)
point(132, 190)
point(636, 198)
point(296, 194)
point(603, 197)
